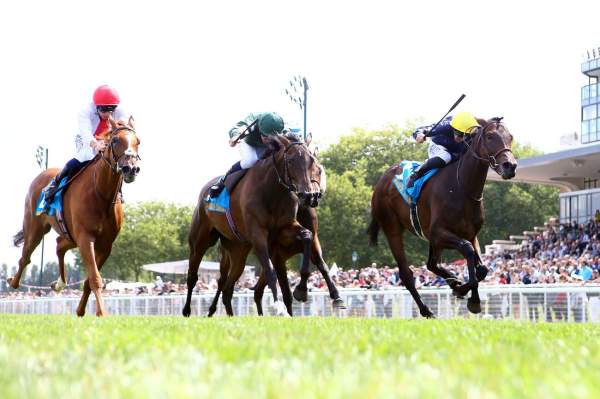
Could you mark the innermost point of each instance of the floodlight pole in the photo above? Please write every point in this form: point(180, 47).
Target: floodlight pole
point(305, 84)
point(42, 159)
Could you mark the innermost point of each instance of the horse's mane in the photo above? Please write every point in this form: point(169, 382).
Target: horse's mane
point(291, 137)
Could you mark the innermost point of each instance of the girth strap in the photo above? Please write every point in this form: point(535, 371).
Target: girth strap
point(414, 220)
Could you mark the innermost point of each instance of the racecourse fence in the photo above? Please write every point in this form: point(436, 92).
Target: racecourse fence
point(534, 303)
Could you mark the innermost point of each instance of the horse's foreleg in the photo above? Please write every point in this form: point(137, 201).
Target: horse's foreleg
point(84, 298)
point(317, 259)
point(463, 246)
point(237, 259)
point(88, 255)
point(481, 270)
point(201, 237)
point(284, 284)
point(259, 290)
point(224, 271)
point(259, 240)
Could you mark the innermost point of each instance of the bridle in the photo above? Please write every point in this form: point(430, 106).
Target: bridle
point(113, 162)
point(286, 180)
point(491, 159)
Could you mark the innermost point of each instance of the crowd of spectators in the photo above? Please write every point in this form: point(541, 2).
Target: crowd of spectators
point(557, 254)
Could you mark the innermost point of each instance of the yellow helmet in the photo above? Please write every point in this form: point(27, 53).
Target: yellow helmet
point(463, 122)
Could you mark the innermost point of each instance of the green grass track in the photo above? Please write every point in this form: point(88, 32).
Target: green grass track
point(170, 357)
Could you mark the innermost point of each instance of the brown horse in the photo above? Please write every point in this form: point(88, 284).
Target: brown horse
point(92, 211)
point(281, 250)
point(450, 209)
point(263, 206)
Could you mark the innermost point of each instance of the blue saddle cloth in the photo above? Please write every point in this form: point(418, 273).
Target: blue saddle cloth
point(411, 195)
point(56, 205)
point(219, 204)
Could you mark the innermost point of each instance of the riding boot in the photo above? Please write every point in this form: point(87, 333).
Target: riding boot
point(431, 163)
point(52, 189)
point(68, 171)
point(216, 189)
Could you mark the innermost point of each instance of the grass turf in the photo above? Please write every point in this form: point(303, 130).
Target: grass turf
point(158, 357)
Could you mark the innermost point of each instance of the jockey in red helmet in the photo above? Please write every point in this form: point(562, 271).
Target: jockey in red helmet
point(92, 122)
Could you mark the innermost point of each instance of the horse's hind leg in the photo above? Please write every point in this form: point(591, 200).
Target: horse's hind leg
point(34, 230)
point(62, 246)
point(432, 265)
point(396, 241)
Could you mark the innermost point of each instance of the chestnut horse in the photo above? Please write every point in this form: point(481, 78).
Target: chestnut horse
point(450, 210)
point(91, 208)
point(263, 207)
point(281, 250)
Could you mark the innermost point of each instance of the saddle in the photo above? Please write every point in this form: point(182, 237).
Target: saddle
point(411, 195)
point(233, 179)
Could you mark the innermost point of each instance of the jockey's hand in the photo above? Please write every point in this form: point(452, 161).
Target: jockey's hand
point(98, 145)
point(233, 141)
point(420, 138)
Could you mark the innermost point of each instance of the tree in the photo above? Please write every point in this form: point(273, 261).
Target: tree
point(152, 232)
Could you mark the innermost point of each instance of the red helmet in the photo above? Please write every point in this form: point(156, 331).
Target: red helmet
point(106, 95)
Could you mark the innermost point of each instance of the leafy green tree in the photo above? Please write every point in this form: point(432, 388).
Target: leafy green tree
point(152, 232)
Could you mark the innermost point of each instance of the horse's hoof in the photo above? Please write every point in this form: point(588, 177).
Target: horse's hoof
point(428, 314)
point(211, 312)
point(281, 310)
point(300, 295)
point(186, 312)
point(338, 303)
point(57, 286)
point(480, 272)
point(12, 282)
point(474, 306)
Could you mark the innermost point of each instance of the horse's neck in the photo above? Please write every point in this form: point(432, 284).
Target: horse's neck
point(266, 168)
point(106, 181)
point(472, 175)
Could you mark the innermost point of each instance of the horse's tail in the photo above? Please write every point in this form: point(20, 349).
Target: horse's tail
point(19, 238)
point(373, 231)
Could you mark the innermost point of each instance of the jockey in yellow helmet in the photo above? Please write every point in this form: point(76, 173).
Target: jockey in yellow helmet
point(447, 142)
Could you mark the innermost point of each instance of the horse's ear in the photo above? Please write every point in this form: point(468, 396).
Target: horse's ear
point(113, 123)
point(131, 122)
point(316, 152)
point(482, 122)
point(308, 139)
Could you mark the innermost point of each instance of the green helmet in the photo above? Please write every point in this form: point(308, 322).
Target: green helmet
point(269, 123)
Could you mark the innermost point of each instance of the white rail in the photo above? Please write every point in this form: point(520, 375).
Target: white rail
point(535, 303)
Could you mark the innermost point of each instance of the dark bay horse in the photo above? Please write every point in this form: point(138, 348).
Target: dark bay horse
point(281, 250)
point(263, 205)
point(92, 211)
point(450, 209)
